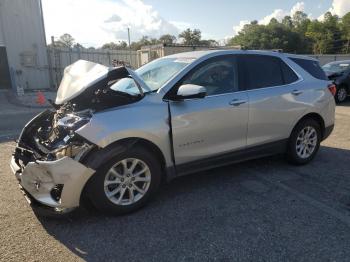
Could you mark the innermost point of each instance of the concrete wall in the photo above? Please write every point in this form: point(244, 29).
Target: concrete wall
point(24, 37)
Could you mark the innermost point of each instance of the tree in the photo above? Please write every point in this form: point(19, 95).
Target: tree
point(298, 18)
point(325, 35)
point(167, 39)
point(66, 40)
point(191, 37)
point(145, 40)
point(287, 21)
point(115, 46)
point(209, 42)
point(345, 28)
point(318, 35)
point(275, 35)
point(78, 46)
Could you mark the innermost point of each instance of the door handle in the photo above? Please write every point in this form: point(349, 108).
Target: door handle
point(237, 102)
point(296, 92)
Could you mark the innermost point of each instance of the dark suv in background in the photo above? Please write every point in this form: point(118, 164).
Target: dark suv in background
point(339, 73)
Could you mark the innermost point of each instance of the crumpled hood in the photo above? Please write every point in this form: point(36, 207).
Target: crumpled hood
point(77, 78)
point(82, 76)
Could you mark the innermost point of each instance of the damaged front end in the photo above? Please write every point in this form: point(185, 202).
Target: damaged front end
point(48, 157)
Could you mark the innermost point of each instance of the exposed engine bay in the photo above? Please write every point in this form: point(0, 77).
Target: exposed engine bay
point(51, 135)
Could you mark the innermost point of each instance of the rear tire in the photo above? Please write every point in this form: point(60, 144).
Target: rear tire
point(126, 182)
point(304, 142)
point(341, 94)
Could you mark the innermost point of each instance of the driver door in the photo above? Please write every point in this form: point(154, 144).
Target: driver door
point(214, 125)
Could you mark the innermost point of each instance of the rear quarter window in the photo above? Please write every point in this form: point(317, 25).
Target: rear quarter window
point(288, 74)
point(310, 66)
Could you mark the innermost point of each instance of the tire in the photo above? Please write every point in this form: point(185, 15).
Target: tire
point(341, 94)
point(295, 153)
point(114, 172)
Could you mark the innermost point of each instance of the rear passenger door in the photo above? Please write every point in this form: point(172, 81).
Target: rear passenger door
point(275, 100)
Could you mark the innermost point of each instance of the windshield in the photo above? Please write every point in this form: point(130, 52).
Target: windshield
point(337, 67)
point(155, 74)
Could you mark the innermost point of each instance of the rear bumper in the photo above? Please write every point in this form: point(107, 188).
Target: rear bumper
point(327, 131)
point(40, 179)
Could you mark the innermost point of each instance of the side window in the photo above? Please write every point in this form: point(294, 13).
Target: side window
point(261, 71)
point(288, 75)
point(218, 75)
point(312, 67)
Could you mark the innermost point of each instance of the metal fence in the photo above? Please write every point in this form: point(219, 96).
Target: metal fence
point(324, 59)
point(59, 58)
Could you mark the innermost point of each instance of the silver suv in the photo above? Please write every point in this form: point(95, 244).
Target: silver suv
point(114, 134)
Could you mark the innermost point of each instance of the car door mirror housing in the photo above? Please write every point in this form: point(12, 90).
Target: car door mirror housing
point(188, 91)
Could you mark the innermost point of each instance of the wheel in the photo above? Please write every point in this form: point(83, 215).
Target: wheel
point(304, 142)
point(341, 94)
point(126, 182)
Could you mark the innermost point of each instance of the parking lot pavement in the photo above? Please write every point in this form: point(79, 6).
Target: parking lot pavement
point(261, 210)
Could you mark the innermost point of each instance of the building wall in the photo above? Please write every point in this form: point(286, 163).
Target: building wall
point(2, 41)
point(24, 37)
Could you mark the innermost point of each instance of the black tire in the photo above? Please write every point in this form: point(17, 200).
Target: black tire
point(339, 97)
point(292, 155)
point(95, 187)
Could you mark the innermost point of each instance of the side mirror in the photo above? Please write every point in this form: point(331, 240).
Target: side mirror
point(191, 91)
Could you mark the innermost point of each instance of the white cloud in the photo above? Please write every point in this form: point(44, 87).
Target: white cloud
point(279, 14)
point(339, 7)
point(94, 22)
point(300, 6)
point(240, 26)
point(181, 25)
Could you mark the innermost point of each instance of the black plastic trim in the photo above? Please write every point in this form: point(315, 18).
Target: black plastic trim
point(327, 131)
point(272, 148)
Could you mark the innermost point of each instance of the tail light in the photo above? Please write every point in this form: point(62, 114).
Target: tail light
point(332, 88)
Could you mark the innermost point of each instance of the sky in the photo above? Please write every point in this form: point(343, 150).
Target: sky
point(95, 22)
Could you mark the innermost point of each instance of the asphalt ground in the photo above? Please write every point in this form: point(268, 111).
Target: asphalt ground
point(260, 210)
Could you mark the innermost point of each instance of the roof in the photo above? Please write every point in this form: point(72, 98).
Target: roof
point(198, 54)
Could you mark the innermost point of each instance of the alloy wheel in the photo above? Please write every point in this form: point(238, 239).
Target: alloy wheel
point(306, 142)
point(127, 181)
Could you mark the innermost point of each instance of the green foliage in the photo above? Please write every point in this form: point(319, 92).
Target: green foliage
point(191, 37)
point(167, 39)
point(115, 46)
point(64, 41)
point(298, 34)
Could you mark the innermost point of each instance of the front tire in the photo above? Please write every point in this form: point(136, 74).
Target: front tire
point(304, 142)
point(126, 182)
